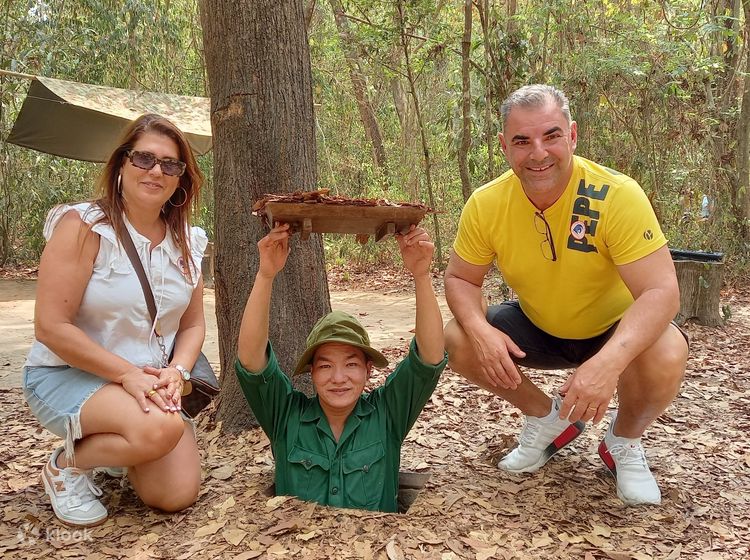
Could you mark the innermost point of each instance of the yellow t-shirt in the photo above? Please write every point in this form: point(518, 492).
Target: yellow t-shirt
point(603, 219)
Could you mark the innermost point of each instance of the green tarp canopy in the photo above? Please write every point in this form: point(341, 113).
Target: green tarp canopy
point(83, 121)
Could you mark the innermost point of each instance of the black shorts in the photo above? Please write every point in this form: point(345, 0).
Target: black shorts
point(544, 351)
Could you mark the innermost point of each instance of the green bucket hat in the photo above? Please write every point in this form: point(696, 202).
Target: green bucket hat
point(341, 327)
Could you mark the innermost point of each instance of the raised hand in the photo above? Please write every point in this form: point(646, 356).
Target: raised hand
point(274, 250)
point(416, 250)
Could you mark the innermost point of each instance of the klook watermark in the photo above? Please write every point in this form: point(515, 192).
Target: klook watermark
point(29, 533)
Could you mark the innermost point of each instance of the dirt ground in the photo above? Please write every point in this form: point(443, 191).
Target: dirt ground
point(699, 451)
point(388, 318)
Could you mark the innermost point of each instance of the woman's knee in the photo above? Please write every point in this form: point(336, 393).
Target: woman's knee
point(171, 483)
point(174, 499)
point(173, 490)
point(157, 435)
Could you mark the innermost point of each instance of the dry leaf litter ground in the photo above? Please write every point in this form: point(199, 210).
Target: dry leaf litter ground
point(699, 451)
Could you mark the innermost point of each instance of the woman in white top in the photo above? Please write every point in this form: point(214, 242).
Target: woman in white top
point(98, 374)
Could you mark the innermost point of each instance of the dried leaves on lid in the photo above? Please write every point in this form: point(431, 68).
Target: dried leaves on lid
point(322, 196)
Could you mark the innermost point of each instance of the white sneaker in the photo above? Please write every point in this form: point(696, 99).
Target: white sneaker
point(626, 460)
point(540, 439)
point(72, 494)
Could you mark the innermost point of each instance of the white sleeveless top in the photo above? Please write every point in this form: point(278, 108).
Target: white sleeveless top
point(113, 310)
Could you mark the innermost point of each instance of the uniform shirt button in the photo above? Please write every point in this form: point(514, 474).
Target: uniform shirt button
point(307, 463)
point(366, 468)
point(334, 490)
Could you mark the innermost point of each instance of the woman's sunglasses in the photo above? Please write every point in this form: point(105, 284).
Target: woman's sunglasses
point(147, 160)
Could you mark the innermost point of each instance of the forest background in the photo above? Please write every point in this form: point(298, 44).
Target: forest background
point(407, 101)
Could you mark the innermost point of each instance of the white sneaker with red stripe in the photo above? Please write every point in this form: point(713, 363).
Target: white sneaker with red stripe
point(540, 439)
point(73, 494)
point(626, 460)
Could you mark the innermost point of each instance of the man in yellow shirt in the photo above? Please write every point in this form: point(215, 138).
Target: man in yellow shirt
point(581, 247)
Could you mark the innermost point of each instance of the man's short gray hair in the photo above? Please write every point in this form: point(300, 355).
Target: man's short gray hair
point(534, 96)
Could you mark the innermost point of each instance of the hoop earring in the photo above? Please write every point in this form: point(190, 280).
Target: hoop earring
point(119, 183)
point(183, 201)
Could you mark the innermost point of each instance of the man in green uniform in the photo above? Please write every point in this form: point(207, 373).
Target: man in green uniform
point(342, 447)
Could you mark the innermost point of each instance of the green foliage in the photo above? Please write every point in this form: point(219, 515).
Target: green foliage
point(204, 217)
point(137, 44)
point(655, 88)
point(726, 312)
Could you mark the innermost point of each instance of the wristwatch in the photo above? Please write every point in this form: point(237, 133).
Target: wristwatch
point(184, 372)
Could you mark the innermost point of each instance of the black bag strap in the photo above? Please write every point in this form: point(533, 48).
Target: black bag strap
point(135, 260)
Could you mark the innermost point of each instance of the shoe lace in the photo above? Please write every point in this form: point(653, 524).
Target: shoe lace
point(529, 433)
point(81, 489)
point(628, 454)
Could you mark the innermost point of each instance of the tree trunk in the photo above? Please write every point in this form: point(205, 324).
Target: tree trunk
point(483, 8)
point(408, 152)
point(541, 76)
point(743, 144)
point(726, 127)
point(309, 13)
point(264, 141)
point(511, 24)
point(359, 84)
point(132, 52)
point(463, 150)
point(422, 133)
point(728, 16)
point(489, 128)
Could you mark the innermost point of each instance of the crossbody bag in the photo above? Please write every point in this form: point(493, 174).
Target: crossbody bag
point(203, 385)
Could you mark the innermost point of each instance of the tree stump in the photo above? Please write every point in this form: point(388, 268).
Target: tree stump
point(700, 277)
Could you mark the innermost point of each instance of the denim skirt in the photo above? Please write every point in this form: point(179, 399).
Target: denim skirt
point(55, 396)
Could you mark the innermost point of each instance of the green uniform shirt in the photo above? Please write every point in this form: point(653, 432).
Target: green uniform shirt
point(361, 470)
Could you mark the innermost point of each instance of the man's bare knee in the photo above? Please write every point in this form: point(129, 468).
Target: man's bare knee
point(667, 358)
point(658, 372)
point(676, 354)
point(456, 341)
